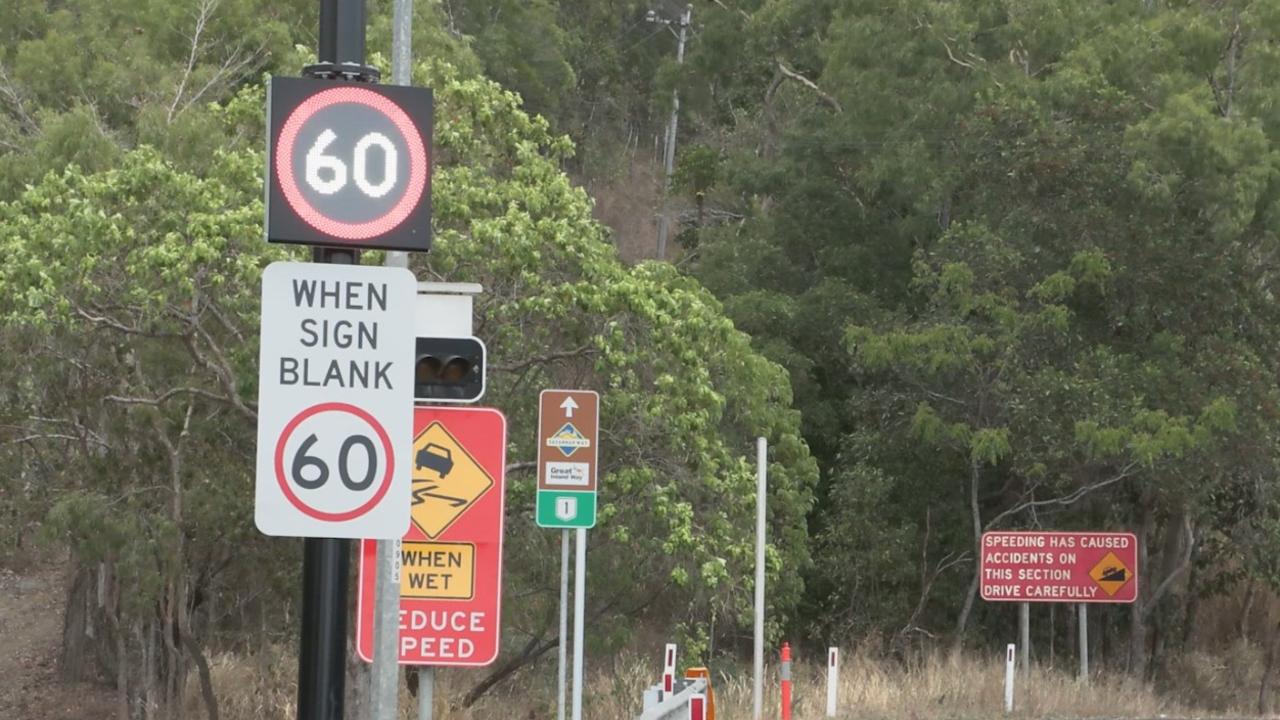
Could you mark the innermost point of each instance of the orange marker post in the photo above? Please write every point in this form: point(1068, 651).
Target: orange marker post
point(785, 674)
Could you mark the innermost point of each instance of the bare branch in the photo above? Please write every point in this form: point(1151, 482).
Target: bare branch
point(202, 19)
point(53, 436)
point(107, 322)
point(969, 65)
point(583, 351)
point(231, 69)
point(168, 395)
point(10, 92)
point(1069, 499)
point(220, 367)
point(518, 466)
point(828, 99)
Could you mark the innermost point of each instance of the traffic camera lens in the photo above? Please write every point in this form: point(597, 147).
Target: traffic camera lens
point(427, 369)
point(456, 369)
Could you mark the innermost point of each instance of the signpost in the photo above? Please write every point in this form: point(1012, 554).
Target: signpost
point(348, 163)
point(348, 167)
point(451, 557)
point(568, 452)
point(1049, 567)
point(334, 395)
point(568, 457)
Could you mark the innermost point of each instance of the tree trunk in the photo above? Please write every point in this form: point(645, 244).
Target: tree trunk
point(975, 515)
point(1264, 688)
point(1138, 611)
point(1190, 605)
point(206, 677)
point(1249, 594)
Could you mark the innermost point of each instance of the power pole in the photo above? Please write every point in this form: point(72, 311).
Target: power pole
point(669, 152)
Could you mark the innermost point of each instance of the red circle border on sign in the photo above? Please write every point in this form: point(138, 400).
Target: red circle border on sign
point(305, 210)
point(293, 497)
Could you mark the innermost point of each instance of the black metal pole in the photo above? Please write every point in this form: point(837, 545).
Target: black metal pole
point(340, 48)
point(326, 562)
point(323, 650)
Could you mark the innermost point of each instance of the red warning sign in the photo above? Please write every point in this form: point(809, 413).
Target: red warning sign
point(1088, 567)
point(451, 558)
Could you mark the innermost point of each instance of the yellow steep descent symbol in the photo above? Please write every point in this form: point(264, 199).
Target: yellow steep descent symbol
point(1110, 574)
point(446, 480)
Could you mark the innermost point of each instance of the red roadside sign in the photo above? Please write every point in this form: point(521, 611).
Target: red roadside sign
point(451, 558)
point(1075, 567)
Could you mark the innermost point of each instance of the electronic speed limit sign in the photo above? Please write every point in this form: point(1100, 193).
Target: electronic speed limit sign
point(335, 401)
point(348, 164)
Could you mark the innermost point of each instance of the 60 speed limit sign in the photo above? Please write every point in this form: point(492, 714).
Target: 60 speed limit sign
point(335, 401)
point(348, 164)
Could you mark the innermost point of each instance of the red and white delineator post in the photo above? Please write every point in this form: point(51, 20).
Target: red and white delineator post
point(669, 669)
point(698, 707)
point(690, 697)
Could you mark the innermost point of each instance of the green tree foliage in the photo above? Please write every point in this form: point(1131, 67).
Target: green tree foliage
point(1045, 229)
point(131, 286)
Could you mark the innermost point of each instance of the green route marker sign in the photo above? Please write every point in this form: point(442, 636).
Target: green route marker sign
point(568, 451)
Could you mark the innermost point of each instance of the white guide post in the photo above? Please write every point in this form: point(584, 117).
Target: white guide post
point(833, 679)
point(757, 680)
point(1009, 677)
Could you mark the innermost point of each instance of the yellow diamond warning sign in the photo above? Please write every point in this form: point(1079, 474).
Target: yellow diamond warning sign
point(1110, 574)
point(446, 480)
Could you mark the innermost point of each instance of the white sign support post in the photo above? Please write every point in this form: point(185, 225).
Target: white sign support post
point(757, 680)
point(579, 613)
point(1084, 643)
point(1009, 663)
point(564, 621)
point(1024, 636)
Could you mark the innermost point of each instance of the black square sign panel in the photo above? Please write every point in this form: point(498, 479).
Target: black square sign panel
point(348, 164)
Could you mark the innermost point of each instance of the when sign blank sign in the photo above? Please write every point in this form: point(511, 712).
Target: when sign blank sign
point(335, 401)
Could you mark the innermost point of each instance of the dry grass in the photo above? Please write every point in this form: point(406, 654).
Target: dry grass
point(262, 688)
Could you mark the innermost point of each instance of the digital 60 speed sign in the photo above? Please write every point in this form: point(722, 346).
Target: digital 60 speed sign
point(348, 164)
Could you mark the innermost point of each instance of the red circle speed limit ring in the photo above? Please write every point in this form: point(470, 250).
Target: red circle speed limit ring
point(339, 457)
point(349, 164)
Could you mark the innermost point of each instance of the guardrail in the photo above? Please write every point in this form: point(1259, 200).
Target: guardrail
point(682, 704)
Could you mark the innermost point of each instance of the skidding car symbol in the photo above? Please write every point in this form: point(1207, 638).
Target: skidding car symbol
point(1114, 574)
point(435, 457)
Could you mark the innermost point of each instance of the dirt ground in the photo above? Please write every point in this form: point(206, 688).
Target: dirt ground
point(30, 629)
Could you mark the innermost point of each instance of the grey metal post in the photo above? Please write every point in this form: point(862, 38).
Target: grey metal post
point(757, 679)
point(1024, 635)
point(564, 618)
point(669, 152)
point(426, 691)
point(384, 679)
point(579, 610)
point(401, 74)
point(1084, 643)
